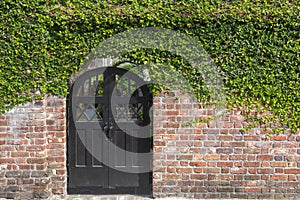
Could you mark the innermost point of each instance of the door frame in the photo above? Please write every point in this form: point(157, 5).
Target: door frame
point(97, 190)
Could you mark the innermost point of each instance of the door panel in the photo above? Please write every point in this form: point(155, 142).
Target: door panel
point(101, 117)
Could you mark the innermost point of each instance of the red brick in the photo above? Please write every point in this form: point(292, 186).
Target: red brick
point(170, 163)
point(224, 150)
point(236, 118)
point(225, 138)
point(159, 143)
point(252, 151)
point(225, 125)
point(35, 148)
point(292, 178)
point(56, 128)
point(278, 164)
point(35, 160)
point(238, 170)
point(199, 176)
point(6, 160)
point(278, 137)
point(237, 157)
point(265, 171)
point(238, 125)
point(278, 170)
point(224, 131)
point(252, 189)
point(184, 170)
point(279, 177)
point(4, 123)
point(171, 176)
point(56, 140)
point(171, 112)
point(198, 164)
point(19, 154)
point(237, 144)
point(251, 164)
point(6, 135)
point(58, 191)
point(212, 157)
point(41, 166)
point(225, 164)
point(170, 137)
point(40, 129)
point(211, 143)
point(198, 170)
point(265, 157)
point(185, 157)
point(211, 170)
point(252, 138)
point(61, 172)
point(292, 171)
point(25, 167)
point(265, 164)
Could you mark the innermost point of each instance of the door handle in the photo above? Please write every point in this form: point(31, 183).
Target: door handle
point(106, 128)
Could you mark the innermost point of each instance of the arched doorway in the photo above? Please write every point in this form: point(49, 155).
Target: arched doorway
point(106, 107)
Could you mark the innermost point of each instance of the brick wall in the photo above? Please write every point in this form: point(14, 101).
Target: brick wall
point(210, 160)
point(215, 160)
point(33, 150)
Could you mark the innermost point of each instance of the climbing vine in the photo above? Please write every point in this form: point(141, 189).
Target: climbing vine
point(255, 45)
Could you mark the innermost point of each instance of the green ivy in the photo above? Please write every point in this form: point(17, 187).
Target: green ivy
point(255, 44)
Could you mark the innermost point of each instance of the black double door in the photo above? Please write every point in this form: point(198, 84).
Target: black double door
point(109, 127)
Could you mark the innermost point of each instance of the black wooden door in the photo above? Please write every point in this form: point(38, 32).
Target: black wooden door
point(109, 110)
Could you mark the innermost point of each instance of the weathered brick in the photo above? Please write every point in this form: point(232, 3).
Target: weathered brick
point(251, 138)
point(36, 160)
point(278, 137)
point(171, 176)
point(19, 154)
point(184, 170)
point(198, 163)
point(185, 157)
point(13, 174)
point(225, 138)
point(225, 150)
point(211, 170)
point(278, 164)
point(238, 170)
point(292, 171)
point(251, 177)
point(265, 171)
point(225, 164)
point(252, 151)
point(212, 157)
point(237, 144)
point(264, 157)
point(225, 189)
point(6, 160)
point(251, 164)
point(199, 176)
point(278, 177)
point(252, 189)
point(237, 157)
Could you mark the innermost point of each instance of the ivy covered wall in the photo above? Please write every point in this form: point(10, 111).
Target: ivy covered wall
point(255, 45)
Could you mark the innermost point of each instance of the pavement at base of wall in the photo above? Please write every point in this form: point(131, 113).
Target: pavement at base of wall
point(117, 197)
point(132, 197)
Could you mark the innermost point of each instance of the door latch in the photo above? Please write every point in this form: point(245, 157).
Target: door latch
point(106, 128)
